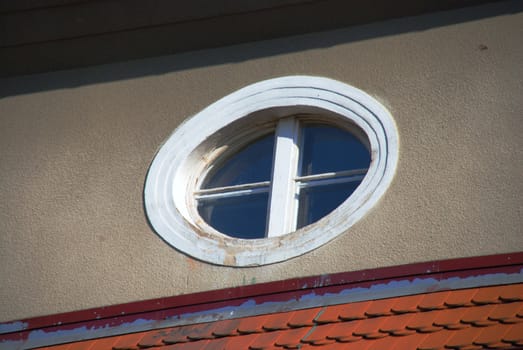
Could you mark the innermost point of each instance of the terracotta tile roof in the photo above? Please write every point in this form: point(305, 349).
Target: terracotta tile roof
point(408, 306)
point(467, 319)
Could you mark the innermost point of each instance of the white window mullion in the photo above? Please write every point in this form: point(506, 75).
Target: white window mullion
point(229, 189)
point(282, 199)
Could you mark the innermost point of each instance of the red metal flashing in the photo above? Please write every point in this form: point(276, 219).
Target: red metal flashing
point(271, 297)
point(461, 265)
point(475, 318)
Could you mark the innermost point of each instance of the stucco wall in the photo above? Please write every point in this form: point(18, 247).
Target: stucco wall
point(75, 147)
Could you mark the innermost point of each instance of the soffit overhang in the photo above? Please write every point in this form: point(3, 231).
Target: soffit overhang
point(46, 35)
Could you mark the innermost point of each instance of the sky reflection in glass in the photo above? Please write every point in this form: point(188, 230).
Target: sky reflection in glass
point(317, 202)
point(241, 217)
point(251, 164)
point(328, 149)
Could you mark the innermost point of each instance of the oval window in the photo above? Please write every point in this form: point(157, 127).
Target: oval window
point(271, 171)
point(329, 165)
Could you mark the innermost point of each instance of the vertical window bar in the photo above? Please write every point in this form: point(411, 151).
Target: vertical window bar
point(283, 195)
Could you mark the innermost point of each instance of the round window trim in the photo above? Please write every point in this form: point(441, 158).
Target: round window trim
point(186, 155)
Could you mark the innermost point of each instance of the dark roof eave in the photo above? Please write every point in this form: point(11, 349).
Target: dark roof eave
point(47, 35)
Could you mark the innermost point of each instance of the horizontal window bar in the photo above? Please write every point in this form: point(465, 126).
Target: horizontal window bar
point(333, 174)
point(233, 191)
point(203, 191)
point(330, 181)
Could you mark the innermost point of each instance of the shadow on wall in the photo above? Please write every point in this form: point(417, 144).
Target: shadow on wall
point(243, 52)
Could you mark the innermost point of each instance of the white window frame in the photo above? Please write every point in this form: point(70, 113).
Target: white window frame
point(286, 182)
point(282, 197)
point(187, 155)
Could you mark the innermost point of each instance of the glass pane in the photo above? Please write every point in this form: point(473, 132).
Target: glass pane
point(241, 216)
point(327, 149)
point(251, 164)
point(316, 202)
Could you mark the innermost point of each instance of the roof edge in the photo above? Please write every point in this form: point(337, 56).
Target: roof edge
point(291, 294)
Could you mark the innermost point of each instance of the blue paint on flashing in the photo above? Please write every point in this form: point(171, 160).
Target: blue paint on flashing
point(13, 327)
point(251, 308)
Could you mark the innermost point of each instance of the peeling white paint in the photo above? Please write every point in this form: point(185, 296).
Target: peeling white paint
point(176, 168)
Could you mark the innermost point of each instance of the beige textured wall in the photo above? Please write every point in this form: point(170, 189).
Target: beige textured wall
point(75, 147)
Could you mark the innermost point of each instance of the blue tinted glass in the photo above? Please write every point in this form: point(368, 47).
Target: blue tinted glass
point(251, 164)
point(241, 217)
point(316, 202)
point(328, 149)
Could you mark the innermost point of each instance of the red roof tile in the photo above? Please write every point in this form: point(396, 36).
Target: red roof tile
point(406, 304)
point(303, 318)
point(476, 318)
point(251, 325)
point(354, 311)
